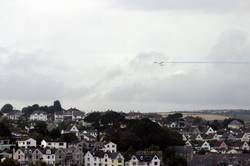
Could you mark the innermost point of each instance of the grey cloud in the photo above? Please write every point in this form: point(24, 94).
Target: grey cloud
point(232, 46)
point(25, 77)
point(217, 85)
point(207, 5)
point(30, 88)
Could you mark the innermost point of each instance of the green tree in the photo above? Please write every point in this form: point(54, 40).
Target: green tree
point(177, 161)
point(30, 109)
point(55, 133)
point(174, 117)
point(9, 162)
point(141, 134)
point(129, 152)
point(57, 106)
point(94, 117)
point(41, 128)
point(7, 108)
point(4, 130)
point(153, 148)
point(69, 137)
point(112, 118)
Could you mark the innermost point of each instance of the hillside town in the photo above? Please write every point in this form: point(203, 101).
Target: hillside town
point(55, 136)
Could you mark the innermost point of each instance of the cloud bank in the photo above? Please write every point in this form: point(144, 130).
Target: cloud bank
point(98, 55)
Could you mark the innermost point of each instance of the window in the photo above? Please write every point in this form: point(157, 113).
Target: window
point(106, 160)
point(156, 163)
point(134, 163)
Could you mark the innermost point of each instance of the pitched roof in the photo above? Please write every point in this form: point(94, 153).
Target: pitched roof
point(98, 153)
point(113, 155)
point(144, 158)
point(210, 136)
point(218, 143)
point(238, 144)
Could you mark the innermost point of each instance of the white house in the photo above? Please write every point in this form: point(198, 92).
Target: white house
point(241, 146)
point(111, 147)
point(173, 125)
point(58, 116)
point(19, 155)
point(91, 159)
point(54, 145)
point(213, 136)
point(188, 143)
point(184, 138)
point(27, 143)
point(49, 157)
point(210, 131)
point(245, 138)
point(14, 115)
point(87, 137)
point(206, 146)
point(143, 160)
point(73, 115)
point(245, 146)
point(72, 129)
point(198, 138)
point(97, 158)
point(39, 116)
point(5, 144)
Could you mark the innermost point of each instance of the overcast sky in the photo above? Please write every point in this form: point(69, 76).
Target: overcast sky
point(99, 54)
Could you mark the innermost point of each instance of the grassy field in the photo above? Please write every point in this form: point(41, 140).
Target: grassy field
point(208, 117)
